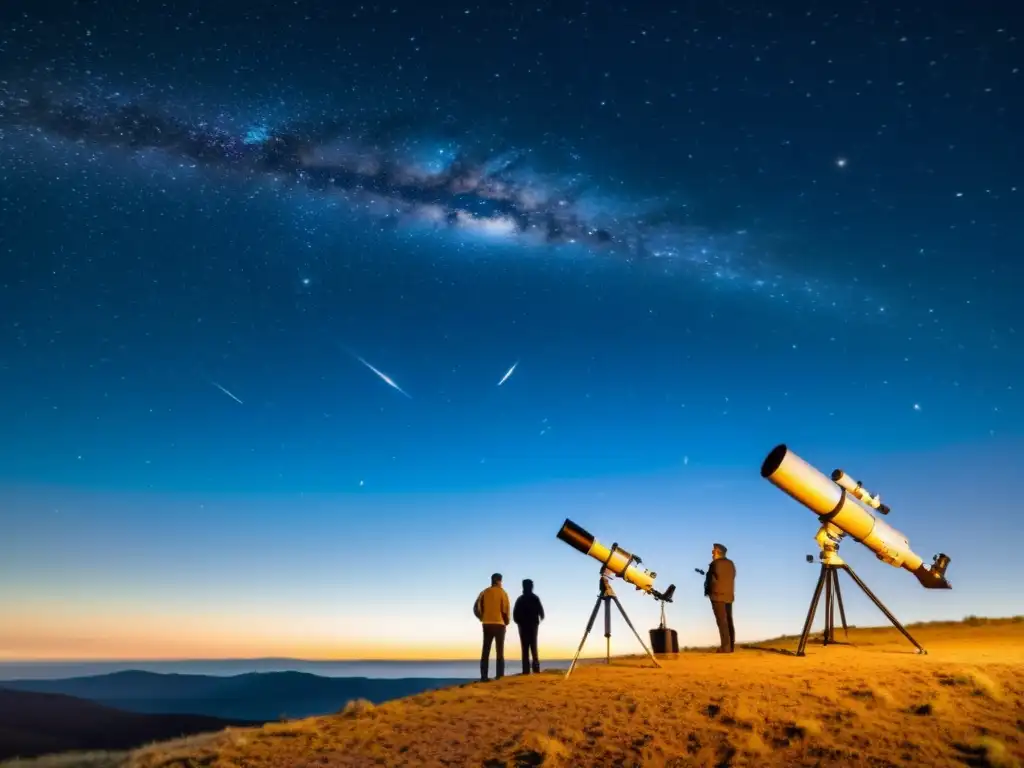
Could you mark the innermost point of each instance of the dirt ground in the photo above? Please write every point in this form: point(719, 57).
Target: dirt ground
point(876, 703)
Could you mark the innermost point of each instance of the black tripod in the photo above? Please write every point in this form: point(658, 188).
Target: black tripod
point(829, 581)
point(606, 596)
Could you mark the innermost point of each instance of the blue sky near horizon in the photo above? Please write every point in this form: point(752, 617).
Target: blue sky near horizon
point(810, 235)
point(293, 580)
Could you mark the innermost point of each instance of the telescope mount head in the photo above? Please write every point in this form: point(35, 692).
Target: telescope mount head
point(828, 537)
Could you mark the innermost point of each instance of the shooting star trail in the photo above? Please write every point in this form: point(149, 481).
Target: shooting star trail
point(508, 373)
point(218, 386)
point(383, 377)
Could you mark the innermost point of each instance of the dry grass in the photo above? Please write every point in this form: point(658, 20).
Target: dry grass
point(877, 704)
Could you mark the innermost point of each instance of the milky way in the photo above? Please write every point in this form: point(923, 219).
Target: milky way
point(404, 180)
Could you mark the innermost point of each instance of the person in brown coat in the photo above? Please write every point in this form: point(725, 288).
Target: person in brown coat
point(720, 588)
point(492, 608)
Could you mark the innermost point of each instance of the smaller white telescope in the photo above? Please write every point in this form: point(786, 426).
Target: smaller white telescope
point(615, 561)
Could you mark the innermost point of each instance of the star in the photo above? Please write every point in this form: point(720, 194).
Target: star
point(840, 162)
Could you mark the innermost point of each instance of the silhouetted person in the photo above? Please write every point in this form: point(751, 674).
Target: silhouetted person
point(528, 614)
point(492, 608)
point(720, 587)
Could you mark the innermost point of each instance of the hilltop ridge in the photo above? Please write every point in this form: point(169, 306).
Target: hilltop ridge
point(878, 703)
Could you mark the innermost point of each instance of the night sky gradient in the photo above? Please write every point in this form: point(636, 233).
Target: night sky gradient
point(696, 231)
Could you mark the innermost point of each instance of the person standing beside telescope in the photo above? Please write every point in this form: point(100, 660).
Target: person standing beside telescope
point(492, 608)
point(720, 588)
point(528, 613)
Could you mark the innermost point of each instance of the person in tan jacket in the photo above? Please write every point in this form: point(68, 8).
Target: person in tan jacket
point(492, 608)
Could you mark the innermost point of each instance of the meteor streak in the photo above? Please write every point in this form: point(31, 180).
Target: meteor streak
point(218, 386)
point(383, 377)
point(508, 373)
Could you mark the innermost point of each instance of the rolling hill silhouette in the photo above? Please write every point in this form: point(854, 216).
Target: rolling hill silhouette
point(254, 696)
point(34, 724)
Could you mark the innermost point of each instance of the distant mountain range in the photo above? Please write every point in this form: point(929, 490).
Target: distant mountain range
point(33, 724)
point(254, 696)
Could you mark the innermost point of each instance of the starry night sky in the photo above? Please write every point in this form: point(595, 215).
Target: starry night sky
point(696, 231)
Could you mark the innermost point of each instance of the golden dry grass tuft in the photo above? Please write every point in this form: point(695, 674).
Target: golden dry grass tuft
point(874, 704)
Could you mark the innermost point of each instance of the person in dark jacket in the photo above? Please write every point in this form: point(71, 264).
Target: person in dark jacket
point(720, 588)
point(528, 614)
point(491, 607)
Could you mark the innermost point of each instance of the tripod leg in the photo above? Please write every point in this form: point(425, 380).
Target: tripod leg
point(608, 631)
point(811, 611)
point(590, 625)
point(630, 623)
point(828, 636)
point(839, 599)
point(883, 609)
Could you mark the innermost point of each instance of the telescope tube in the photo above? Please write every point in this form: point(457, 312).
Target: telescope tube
point(832, 504)
point(615, 559)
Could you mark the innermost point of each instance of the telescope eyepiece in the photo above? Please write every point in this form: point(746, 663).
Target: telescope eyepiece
point(939, 564)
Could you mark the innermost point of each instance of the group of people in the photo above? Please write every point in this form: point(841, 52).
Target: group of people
point(493, 609)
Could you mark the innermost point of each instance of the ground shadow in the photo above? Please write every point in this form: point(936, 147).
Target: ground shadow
point(972, 756)
point(780, 651)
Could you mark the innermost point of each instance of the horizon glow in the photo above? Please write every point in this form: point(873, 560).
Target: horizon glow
point(163, 594)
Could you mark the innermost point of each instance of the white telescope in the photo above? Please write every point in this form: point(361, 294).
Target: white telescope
point(615, 560)
point(833, 501)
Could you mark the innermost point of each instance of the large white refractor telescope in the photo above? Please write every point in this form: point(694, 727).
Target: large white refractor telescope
point(833, 501)
point(841, 505)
